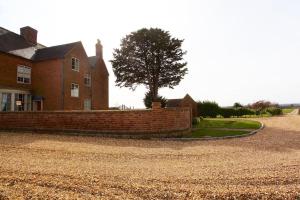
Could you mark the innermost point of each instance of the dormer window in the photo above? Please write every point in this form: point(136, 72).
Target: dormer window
point(75, 64)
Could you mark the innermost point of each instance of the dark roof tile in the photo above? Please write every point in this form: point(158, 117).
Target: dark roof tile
point(10, 41)
point(173, 103)
point(92, 60)
point(13, 43)
point(54, 52)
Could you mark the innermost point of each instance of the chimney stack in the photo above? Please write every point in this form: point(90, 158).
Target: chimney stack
point(29, 34)
point(99, 49)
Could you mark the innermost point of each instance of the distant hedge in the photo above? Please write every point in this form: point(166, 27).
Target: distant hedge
point(212, 109)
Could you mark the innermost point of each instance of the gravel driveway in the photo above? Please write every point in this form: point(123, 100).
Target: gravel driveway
point(264, 166)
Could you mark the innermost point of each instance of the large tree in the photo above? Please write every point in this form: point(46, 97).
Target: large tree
point(149, 57)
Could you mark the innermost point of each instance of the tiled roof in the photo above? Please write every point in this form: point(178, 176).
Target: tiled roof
point(92, 60)
point(53, 52)
point(10, 41)
point(173, 103)
point(13, 43)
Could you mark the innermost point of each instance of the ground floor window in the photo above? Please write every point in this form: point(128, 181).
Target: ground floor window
point(15, 100)
point(19, 102)
point(6, 102)
point(87, 104)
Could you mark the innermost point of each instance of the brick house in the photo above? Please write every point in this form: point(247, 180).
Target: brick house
point(34, 77)
point(186, 101)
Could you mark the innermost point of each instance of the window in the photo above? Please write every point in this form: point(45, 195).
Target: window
point(6, 102)
point(74, 90)
point(87, 80)
point(87, 104)
point(19, 102)
point(75, 64)
point(23, 74)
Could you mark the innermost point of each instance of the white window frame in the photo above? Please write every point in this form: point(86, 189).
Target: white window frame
point(76, 65)
point(88, 77)
point(21, 73)
point(73, 91)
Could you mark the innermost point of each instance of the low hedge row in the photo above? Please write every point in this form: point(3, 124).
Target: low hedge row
point(212, 109)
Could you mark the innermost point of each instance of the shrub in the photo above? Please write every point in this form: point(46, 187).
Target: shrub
point(208, 109)
point(148, 100)
point(238, 112)
point(244, 111)
point(274, 111)
point(227, 112)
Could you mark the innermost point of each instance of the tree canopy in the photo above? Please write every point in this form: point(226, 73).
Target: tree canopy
point(149, 57)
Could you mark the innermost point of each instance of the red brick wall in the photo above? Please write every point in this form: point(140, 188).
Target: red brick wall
point(8, 71)
point(100, 86)
point(71, 76)
point(47, 81)
point(117, 122)
point(189, 102)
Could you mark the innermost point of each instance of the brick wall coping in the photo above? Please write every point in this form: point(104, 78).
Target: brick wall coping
point(96, 111)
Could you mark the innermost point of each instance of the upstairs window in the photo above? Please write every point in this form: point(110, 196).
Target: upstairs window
point(75, 64)
point(74, 90)
point(87, 80)
point(23, 74)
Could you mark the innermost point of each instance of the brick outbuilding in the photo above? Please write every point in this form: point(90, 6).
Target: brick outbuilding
point(186, 101)
point(34, 77)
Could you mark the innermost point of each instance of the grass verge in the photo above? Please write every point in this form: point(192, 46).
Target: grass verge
point(228, 123)
point(223, 128)
point(287, 110)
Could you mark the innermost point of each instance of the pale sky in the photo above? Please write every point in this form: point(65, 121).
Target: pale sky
point(237, 50)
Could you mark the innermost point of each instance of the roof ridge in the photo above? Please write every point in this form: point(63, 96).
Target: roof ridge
point(175, 99)
point(9, 30)
point(58, 51)
point(61, 45)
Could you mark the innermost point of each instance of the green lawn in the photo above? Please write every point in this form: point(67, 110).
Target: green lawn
point(223, 127)
point(287, 110)
point(228, 123)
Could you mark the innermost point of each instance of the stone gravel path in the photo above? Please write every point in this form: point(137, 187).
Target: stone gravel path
point(263, 166)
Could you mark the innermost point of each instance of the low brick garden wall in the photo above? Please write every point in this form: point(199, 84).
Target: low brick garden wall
point(155, 122)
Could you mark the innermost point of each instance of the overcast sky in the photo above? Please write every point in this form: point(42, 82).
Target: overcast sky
point(238, 51)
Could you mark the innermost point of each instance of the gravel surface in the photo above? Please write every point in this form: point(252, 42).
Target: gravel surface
point(263, 166)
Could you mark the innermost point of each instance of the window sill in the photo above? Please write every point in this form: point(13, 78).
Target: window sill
point(23, 83)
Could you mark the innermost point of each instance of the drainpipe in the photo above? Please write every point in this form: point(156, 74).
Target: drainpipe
point(62, 75)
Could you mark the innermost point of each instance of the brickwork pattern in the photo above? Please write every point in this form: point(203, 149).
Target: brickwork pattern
point(117, 122)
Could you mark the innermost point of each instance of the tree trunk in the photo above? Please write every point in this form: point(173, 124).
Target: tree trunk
point(154, 93)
